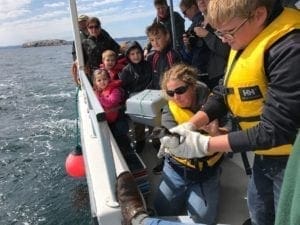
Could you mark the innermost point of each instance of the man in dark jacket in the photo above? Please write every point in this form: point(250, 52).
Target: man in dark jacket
point(163, 16)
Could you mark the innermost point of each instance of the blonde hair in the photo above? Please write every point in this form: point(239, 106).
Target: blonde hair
point(182, 72)
point(109, 54)
point(100, 72)
point(219, 12)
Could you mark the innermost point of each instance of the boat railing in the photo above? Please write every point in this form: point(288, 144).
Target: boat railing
point(102, 156)
point(92, 100)
point(100, 130)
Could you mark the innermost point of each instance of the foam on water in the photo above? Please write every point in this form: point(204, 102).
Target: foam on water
point(58, 95)
point(37, 132)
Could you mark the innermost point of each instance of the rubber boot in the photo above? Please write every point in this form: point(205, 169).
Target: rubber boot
point(129, 198)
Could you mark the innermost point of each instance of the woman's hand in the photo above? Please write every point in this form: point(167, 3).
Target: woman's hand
point(74, 72)
point(200, 32)
point(213, 128)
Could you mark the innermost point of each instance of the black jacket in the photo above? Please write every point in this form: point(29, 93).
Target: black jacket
point(94, 47)
point(218, 55)
point(161, 62)
point(198, 51)
point(136, 77)
point(179, 28)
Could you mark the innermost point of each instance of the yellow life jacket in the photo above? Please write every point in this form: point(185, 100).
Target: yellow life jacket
point(183, 115)
point(245, 80)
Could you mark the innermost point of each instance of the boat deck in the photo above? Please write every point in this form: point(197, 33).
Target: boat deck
point(233, 203)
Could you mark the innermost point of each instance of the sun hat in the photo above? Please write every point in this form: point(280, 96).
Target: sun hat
point(82, 18)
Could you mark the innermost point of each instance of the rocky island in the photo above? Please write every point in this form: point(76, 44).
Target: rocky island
point(40, 43)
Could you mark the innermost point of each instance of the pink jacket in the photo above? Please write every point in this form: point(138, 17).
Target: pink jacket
point(111, 99)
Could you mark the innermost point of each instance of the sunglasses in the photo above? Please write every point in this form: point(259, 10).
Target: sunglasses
point(93, 27)
point(178, 91)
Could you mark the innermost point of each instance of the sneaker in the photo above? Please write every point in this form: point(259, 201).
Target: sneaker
point(158, 168)
point(140, 146)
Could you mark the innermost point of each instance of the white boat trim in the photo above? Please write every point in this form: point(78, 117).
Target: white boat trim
point(102, 157)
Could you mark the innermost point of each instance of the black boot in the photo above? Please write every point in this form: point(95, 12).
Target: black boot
point(129, 198)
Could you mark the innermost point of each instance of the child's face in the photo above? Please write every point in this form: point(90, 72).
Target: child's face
point(135, 55)
point(159, 41)
point(101, 82)
point(109, 62)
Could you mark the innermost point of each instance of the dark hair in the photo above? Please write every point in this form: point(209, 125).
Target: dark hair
point(160, 2)
point(93, 20)
point(133, 45)
point(187, 3)
point(155, 28)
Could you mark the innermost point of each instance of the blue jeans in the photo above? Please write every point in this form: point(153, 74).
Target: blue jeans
point(177, 193)
point(264, 188)
point(154, 221)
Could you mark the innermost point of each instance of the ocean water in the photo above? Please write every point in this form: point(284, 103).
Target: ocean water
point(37, 132)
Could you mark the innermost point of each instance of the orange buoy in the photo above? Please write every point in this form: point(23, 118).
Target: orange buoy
point(75, 163)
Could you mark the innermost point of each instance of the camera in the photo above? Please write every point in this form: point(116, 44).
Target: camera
point(192, 37)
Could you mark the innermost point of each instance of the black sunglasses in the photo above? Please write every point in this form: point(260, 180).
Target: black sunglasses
point(93, 27)
point(178, 91)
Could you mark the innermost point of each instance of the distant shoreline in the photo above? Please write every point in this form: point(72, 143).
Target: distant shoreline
point(47, 42)
point(57, 42)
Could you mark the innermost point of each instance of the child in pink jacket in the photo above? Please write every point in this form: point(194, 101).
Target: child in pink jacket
point(111, 97)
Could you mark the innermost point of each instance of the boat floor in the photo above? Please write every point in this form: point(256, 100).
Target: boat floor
point(233, 203)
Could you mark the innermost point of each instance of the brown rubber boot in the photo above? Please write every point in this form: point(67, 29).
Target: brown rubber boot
point(129, 197)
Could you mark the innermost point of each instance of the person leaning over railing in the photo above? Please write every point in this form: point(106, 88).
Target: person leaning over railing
point(261, 89)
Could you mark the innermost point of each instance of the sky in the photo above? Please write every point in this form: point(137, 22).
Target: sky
point(30, 20)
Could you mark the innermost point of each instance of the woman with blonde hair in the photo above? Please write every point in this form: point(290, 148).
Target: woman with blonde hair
point(191, 184)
